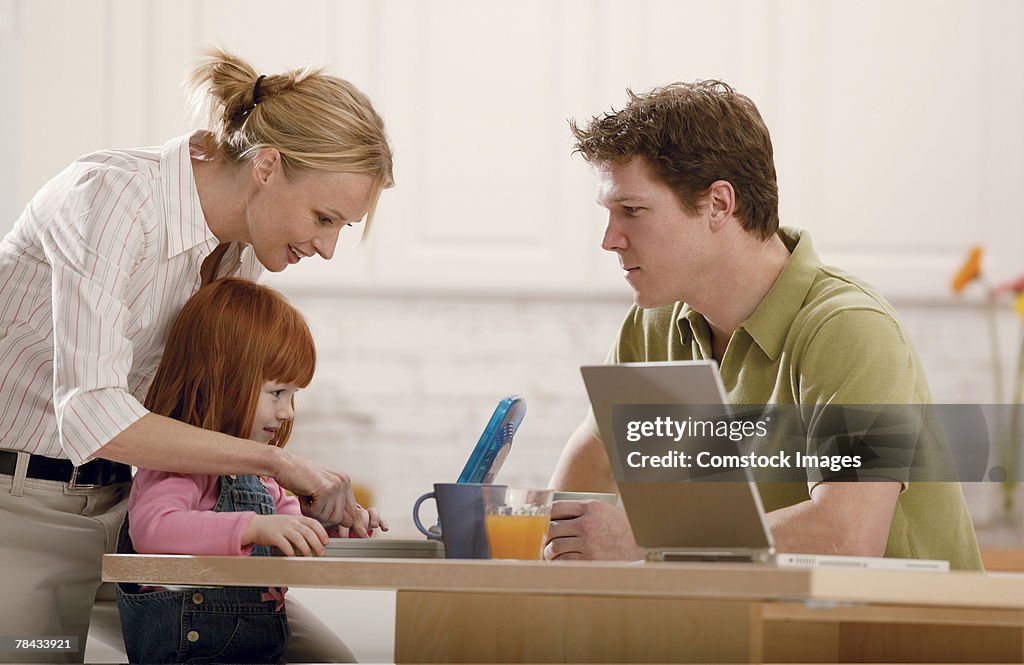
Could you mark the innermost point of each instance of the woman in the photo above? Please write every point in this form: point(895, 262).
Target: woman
point(93, 274)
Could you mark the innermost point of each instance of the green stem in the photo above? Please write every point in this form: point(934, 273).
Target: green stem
point(1013, 442)
point(993, 335)
point(1003, 439)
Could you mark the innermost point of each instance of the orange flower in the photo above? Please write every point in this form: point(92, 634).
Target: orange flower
point(969, 271)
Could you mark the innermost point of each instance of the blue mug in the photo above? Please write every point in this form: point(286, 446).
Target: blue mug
point(460, 514)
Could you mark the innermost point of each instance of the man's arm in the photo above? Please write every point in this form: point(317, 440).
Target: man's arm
point(583, 466)
point(845, 518)
point(848, 518)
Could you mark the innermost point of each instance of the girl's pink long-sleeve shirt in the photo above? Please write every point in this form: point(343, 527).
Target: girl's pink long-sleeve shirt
point(172, 513)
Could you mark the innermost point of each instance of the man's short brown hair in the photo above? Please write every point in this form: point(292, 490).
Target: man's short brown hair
point(690, 135)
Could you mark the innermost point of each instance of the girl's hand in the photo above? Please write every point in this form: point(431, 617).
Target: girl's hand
point(292, 534)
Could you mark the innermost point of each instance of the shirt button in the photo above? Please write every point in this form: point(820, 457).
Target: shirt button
point(197, 598)
point(192, 636)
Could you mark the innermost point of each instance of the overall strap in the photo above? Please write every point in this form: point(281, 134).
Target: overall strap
point(245, 493)
point(208, 271)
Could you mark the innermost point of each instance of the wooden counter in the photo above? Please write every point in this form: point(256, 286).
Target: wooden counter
point(1003, 559)
point(497, 611)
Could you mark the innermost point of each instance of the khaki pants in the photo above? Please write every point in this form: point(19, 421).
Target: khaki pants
point(52, 540)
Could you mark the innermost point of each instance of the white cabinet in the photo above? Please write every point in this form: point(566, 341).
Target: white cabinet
point(897, 126)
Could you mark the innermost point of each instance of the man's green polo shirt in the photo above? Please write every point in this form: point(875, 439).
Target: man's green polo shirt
point(820, 336)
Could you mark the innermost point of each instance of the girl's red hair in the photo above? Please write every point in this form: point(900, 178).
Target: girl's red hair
point(229, 338)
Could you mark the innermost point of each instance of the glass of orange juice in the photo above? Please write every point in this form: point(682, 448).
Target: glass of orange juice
point(516, 521)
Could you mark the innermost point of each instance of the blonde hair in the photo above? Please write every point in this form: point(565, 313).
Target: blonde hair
point(317, 122)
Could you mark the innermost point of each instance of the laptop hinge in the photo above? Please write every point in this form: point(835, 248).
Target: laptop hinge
point(722, 556)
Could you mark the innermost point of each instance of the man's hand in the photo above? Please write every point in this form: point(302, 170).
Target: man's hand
point(324, 494)
point(292, 534)
point(592, 530)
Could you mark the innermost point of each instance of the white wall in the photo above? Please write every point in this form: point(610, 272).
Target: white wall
point(896, 125)
point(11, 198)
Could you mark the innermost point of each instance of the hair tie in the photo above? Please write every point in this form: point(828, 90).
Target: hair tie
point(244, 112)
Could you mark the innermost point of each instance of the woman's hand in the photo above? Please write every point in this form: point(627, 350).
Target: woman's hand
point(323, 493)
point(292, 534)
point(372, 521)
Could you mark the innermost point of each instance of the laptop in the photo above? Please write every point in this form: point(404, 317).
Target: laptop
point(730, 523)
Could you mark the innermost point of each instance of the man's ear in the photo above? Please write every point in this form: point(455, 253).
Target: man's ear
point(266, 165)
point(721, 200)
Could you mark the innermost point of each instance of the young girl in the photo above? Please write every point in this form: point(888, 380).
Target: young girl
point(235, 357)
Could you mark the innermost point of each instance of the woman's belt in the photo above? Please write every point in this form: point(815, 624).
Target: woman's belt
point(91, 474)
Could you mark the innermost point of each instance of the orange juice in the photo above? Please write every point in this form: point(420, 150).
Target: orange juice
point(516, 536)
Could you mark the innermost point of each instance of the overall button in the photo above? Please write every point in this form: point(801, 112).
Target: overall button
point(233, 477)
point(192, 636)
point(197, 598)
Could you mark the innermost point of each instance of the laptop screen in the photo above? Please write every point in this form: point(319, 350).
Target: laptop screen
point(666, 513)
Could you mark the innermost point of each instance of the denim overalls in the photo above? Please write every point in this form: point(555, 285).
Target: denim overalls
point(206, 625)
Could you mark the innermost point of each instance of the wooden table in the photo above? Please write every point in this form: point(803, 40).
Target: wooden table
point(496, 611)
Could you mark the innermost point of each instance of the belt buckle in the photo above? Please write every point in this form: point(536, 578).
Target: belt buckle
point(74, 484)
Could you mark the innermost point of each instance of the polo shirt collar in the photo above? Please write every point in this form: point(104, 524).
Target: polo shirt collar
point(183, 214)
point(770, 323)
point(772, 319)
point(692, 326)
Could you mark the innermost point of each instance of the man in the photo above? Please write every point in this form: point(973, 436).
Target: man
point(688, 177)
